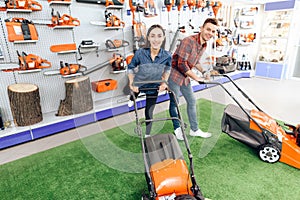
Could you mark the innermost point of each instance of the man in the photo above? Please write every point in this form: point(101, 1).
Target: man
point(186, 57)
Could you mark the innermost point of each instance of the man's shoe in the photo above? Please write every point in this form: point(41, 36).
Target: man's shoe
point(130, 103)
point(200, 133)
point(178, 133)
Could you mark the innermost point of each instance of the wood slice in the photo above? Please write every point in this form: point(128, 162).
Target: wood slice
point(78, 97)
point(25, 103)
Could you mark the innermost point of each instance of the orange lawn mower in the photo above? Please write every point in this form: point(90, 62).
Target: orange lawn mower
point(167, 174)
point(273, 140)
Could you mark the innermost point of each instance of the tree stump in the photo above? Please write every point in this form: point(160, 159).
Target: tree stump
point(25, 104)
point(78, 97)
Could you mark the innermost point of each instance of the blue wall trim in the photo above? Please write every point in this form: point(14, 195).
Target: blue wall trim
point(36, 133)
point(15, 139)
point(280, 5)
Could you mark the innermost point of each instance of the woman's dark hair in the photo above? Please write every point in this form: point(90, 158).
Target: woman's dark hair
point(149, 31)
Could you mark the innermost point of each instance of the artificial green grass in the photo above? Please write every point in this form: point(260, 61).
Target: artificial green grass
point(109, 165)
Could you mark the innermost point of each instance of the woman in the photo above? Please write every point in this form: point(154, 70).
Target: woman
point(151, 63)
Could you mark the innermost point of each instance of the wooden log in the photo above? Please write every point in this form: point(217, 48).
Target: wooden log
point(25, 104)
point(78, 97)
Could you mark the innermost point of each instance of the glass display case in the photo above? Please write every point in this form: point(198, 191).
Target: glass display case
point(273, 44)
point(274, 36)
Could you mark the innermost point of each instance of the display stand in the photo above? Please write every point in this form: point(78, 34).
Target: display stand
point(78, 97)
point(272, 57)
point(25, 104)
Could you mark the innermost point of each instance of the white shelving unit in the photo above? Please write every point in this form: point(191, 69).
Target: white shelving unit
point(271, 59)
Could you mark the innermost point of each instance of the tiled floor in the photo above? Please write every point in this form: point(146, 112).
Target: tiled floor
point(276, 98)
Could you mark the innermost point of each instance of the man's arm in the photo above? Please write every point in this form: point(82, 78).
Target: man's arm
point(199, 68)
point(193, 76)
point(205, 74)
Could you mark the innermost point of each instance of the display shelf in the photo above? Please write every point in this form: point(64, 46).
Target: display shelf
point(90, 46)
point(115, 7)
point(60, 2)
point(52, 124)
point(19, 10)
point(24, 41)
point(273, 44)
point(66, 52)
point(119, 71)
point(29, 71)
point(63, 27)
point(8, 65)
point(114, 28)
point(114, 50)
point(72, 75)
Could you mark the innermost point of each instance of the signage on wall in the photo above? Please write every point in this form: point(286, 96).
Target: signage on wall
point(280, 5)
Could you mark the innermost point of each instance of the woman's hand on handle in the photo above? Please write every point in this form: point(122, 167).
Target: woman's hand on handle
point(134, 88)
point(163, 86)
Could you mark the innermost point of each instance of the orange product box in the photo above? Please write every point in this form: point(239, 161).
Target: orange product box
point(104, 85)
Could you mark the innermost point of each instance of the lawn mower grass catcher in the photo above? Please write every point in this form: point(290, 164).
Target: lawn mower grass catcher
point(167, 174)
point(272, 140)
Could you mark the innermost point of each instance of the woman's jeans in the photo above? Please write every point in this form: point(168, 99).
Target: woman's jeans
point(149, 108)
point(189, 97)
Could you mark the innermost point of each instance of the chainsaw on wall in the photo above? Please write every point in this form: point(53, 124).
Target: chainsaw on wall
point(21, 5)
point(64, 20)
point(67, 70)
point(111, 21)
point(118, 63)
point(58, 21)
point(29, 63)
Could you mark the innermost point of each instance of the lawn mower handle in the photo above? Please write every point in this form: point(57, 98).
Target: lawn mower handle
point(237, 102)
point(147, 82)
point(240, 90)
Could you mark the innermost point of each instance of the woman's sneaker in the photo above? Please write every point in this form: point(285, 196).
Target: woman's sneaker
point(200, 133)
point(178, 133)
point(130, 103)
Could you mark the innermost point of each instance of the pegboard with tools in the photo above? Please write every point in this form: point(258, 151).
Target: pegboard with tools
point(57, 41)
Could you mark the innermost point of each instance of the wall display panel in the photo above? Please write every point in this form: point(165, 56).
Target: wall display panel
point(6, 79)
point(52, 88)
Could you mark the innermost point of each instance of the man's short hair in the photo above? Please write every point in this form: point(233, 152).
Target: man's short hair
point(213, 21)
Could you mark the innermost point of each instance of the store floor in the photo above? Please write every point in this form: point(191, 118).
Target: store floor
point(276, 98)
